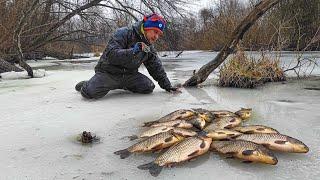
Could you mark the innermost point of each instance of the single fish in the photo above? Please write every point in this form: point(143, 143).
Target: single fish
point(153, 143)
point(175, 123)
point(220, 134)
point(277, 142)
point(244, 113)
point(185, 150)
point(253, 129)
point(224, 122)
point(222, 113)
point(178, 114)
point(246, 150)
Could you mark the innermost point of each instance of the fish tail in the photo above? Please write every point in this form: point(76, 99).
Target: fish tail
point(123, 153)
point(202, 133)
point(153, 168)
point(148, 124)
point(133, 137)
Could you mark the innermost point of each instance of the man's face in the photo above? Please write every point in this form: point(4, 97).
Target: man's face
point(153, 35)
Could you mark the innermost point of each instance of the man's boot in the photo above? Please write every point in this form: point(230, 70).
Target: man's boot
point(79, 85)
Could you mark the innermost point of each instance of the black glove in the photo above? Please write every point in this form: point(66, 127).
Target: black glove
point(173, 89)
point(140, 47)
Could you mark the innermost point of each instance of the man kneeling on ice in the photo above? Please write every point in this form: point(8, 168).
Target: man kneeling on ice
point(118, 66)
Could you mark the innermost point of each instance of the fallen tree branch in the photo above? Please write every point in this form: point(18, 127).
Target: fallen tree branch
point(229, 48)
point(7, 67)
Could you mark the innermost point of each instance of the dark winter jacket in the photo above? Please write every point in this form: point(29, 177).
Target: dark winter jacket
point(118, 57)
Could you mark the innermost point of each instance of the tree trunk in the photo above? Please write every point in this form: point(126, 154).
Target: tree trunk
point(17, 34)
point(7, 67)
point(229, 48)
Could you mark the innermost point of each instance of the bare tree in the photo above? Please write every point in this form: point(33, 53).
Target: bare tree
point(56, 27)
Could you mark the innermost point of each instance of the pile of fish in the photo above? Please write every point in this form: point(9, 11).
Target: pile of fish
point(189, 133)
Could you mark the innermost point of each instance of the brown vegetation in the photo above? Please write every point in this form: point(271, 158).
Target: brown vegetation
point(242, 71)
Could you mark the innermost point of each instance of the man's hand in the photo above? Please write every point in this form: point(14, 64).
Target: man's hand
point(174, 90)
point(140, 47)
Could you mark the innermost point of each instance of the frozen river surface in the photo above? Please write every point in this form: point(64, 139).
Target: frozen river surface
point(40, 118)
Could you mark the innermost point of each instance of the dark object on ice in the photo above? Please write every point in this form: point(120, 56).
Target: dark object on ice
point(179, 54)
point(87, 137)
point(312, 88)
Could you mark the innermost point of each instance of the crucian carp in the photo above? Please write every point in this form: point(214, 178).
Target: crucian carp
point(277, 142)
point(153, 143)
point(188, 149)
point(246, 150)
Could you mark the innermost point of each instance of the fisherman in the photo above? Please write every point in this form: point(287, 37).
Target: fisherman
point(118, 66)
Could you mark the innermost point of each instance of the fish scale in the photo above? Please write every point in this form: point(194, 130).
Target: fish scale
point(174, 123)
point(262, 137)
point(224, 122)
point(255, 129)
point(181, 151)
point(155, 130)
point(220, 134)
point(234, 146)
point(151, 142)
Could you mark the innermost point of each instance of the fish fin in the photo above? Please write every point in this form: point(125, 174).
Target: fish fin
point(194, 153)
point(133, 137)
point(228, 126)
point(233, 120)
point(157, 147)
point(157, 151)
point(171, 165)
point(267, 145)
point(221, 133)
point(192, 159)
point(168, 139)
point(176, 125)
point(164, 128)
point(153, 168)
point(202, 133)
point(230, 155)
point(123, 153)
point(247, 162)
point(148, 124)
point(203, 144)
point(260, 129)
point(280, 142)
point(250, 132)
point(247, 152)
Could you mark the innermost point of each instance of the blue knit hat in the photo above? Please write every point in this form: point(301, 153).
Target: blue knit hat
point(154, 21)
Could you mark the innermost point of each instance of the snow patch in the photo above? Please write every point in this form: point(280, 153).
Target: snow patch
point(39, 73)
